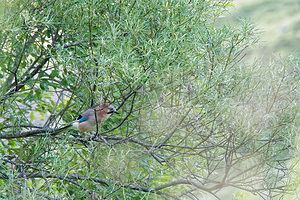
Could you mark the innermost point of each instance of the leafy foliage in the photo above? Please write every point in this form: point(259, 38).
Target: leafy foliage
point(194, 119)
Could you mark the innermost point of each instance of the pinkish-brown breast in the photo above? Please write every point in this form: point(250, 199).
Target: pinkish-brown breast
point(102, 111)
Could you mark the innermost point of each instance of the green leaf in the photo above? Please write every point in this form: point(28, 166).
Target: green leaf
point(54, 74)
point(32, 117)
point(44, 84)
point(64, 82)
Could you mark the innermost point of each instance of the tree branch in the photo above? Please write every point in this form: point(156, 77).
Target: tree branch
point(84, 41)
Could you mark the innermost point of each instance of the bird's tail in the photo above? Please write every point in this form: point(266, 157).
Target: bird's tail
point(74, 123)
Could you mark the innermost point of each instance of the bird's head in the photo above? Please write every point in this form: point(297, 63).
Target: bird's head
point(112, 109)
point(107, 111)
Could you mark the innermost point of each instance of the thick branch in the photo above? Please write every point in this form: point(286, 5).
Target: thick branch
point(31, 133)
point(94, 179)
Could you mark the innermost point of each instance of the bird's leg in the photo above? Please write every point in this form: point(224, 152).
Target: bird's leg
point(91, 135)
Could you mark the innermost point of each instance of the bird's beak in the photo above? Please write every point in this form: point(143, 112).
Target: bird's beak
point(113, 111)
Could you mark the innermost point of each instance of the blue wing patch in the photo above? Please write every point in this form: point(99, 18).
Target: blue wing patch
point(84, 118)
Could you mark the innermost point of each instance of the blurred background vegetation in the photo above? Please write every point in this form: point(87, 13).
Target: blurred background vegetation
point(277, 21)
point(278, 26)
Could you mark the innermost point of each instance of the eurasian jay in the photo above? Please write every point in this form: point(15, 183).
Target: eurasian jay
point(92, 118)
